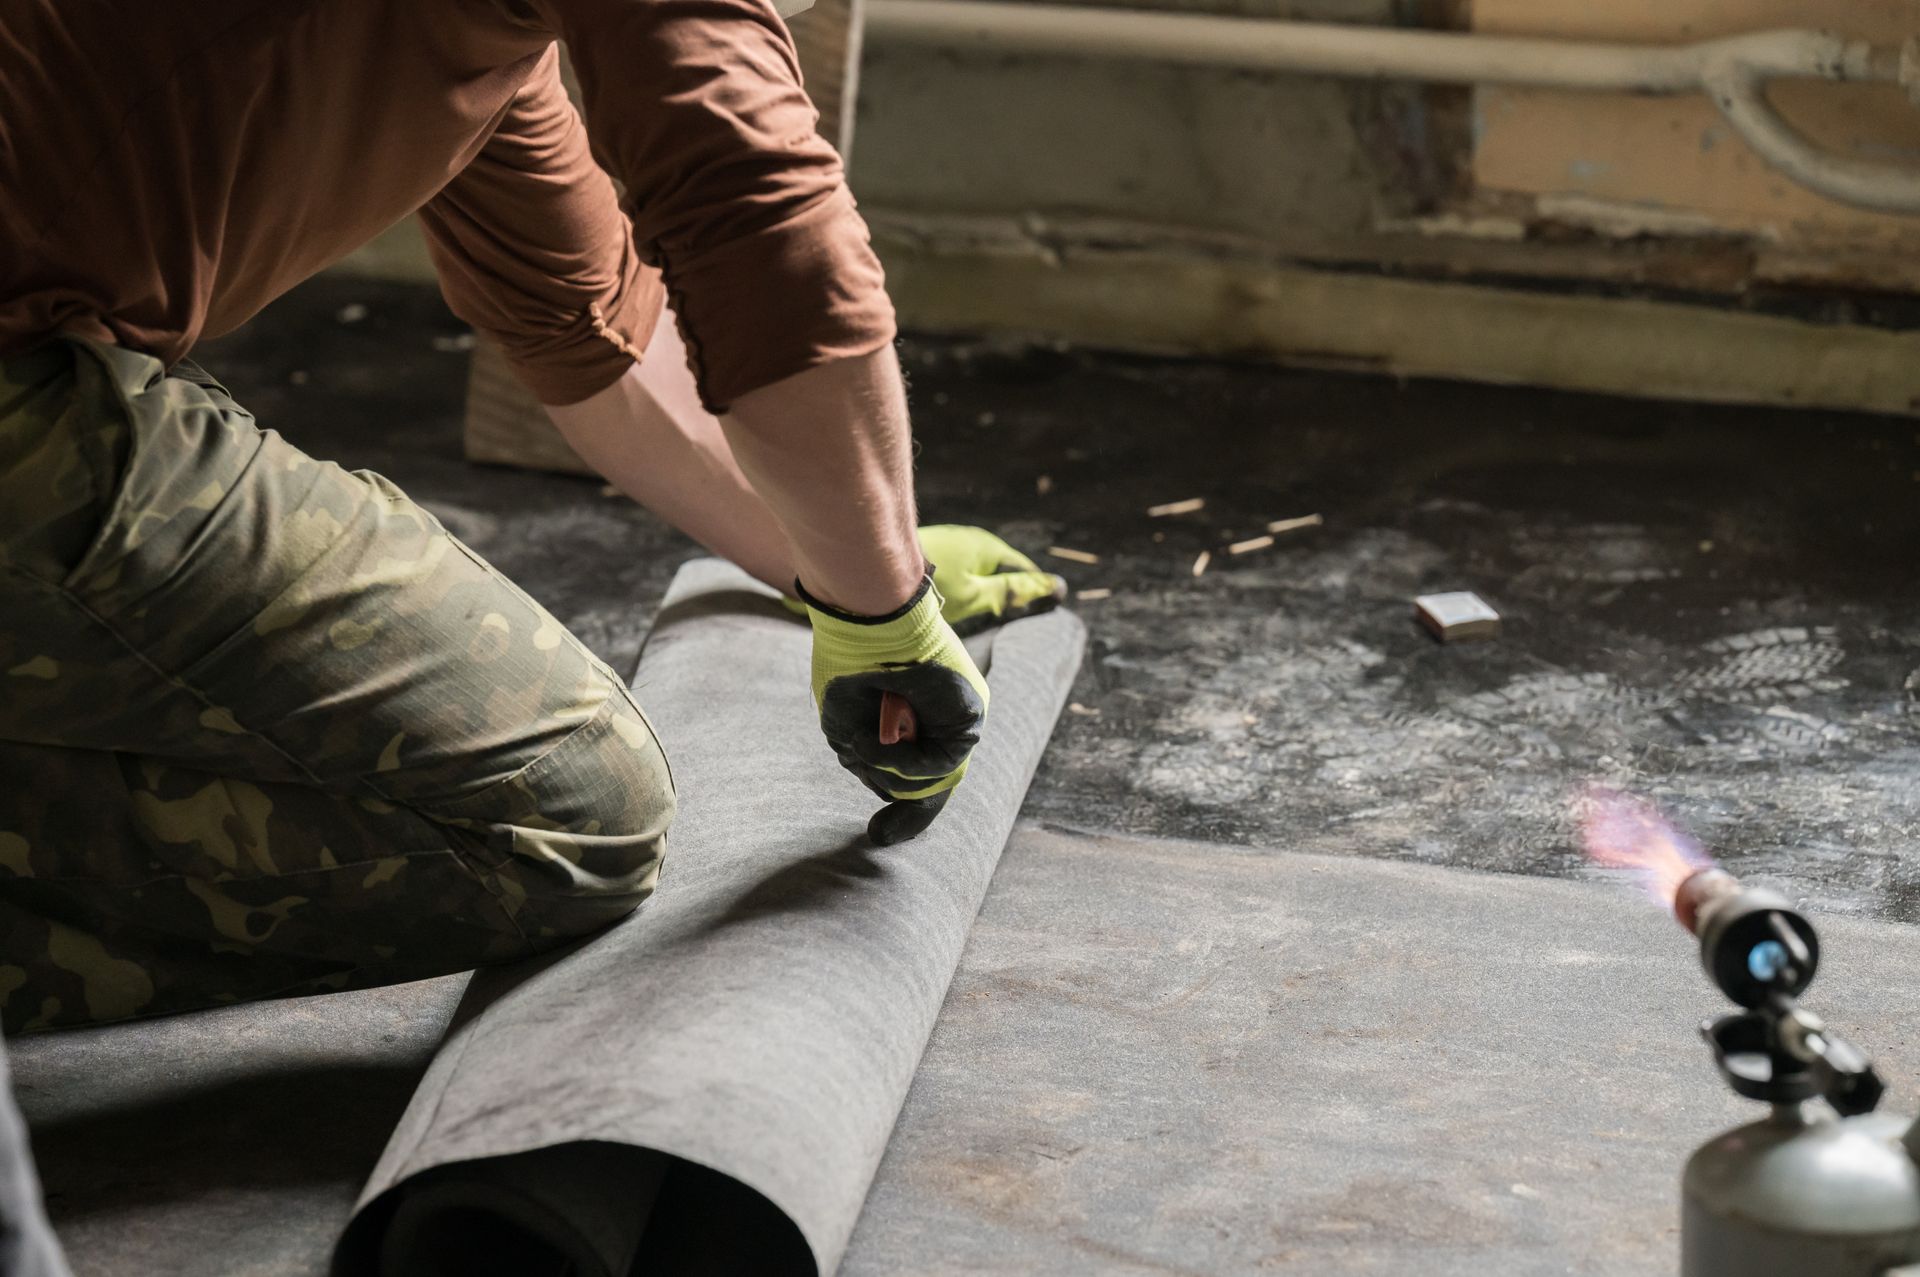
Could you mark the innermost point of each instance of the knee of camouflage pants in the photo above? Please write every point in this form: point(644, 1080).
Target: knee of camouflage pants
point(266, 728)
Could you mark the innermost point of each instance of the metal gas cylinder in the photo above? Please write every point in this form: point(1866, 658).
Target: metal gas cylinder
point(1824, 1186)
point(1803, 1193)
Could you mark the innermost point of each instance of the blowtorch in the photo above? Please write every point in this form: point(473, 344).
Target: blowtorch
point(1823, 1186)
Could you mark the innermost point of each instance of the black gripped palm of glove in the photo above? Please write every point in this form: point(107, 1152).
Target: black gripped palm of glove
point(864, 668)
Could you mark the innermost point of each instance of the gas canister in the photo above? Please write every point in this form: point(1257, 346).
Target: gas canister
point(1823, 1186)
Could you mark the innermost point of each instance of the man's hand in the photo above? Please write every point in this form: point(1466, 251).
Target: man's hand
point(914, 654)
point(983, 580)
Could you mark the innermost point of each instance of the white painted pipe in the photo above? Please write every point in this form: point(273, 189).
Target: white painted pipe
point(1732, 70)
point(1740, 94)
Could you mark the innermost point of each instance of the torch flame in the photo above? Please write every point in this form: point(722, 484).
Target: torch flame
point(1621, 831)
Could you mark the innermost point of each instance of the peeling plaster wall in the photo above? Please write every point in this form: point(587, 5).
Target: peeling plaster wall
point(1678, 154)
point(1400, 227)
point(1440, 181)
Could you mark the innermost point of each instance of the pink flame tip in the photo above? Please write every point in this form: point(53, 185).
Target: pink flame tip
point(1621, 831)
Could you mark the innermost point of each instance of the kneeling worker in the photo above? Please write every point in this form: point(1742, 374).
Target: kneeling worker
point(265, 727)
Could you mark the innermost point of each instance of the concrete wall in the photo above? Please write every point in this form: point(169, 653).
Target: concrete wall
point(1217, 152)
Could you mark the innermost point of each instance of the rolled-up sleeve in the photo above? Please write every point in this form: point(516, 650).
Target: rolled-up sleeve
point(697, 107)
point(533, 250)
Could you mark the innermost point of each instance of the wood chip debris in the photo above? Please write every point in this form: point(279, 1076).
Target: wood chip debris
point(1249, 545)
point(1293, 525)
point(1458, 615)
point(1088, 596)
point(1072, 556)
point(1084, 711)
point(1176, 507)
point(1200, 564)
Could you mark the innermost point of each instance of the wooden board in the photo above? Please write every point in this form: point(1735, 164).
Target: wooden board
point(505, 425)
point(1148, 301)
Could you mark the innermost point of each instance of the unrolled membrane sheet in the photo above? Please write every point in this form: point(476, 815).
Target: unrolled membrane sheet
point(709, 1086)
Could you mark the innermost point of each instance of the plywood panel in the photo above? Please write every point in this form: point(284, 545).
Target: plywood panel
point(506, 425)
point(1677, 153)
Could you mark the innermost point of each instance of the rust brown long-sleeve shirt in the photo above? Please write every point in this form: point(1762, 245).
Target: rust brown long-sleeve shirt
point(166, 169)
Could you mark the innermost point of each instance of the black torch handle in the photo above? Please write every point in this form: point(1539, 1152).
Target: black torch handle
point(1842, 1072)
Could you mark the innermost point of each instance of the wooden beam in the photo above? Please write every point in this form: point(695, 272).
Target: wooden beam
point(1324, 318)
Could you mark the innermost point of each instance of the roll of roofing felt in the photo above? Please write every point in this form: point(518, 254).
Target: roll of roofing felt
point(708, 1086)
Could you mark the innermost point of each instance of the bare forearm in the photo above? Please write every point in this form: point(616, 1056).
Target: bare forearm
point(648, 436)
point(809, 477)
point(830, 452)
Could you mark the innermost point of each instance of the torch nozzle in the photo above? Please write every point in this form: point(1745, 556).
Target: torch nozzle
point(1753, 942)
point(1699, 891)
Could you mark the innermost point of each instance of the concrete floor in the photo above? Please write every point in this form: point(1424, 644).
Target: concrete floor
point(1304, 1064)
point(1308, 1063)
point(1711, 605)
point(1321, 1065)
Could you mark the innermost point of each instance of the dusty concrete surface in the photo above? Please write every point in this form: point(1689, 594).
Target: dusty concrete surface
point(1714, 605)
point(1180, 1058)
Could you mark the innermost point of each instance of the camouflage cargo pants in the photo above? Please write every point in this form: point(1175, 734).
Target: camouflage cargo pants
point(266, 728)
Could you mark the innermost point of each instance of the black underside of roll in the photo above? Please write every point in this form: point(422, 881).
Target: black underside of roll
point(585, 1209)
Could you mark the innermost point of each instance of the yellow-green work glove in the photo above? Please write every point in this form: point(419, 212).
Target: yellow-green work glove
point(862, 663)
point(983, 580)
